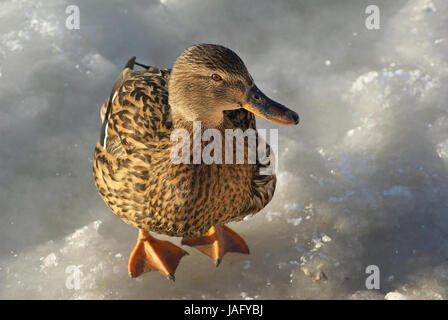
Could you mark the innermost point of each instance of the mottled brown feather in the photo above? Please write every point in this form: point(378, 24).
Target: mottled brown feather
point(138, 181)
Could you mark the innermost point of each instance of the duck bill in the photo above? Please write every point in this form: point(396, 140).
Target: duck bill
point(258, 103)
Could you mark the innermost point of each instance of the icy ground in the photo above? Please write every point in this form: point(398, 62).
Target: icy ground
point(363, 179)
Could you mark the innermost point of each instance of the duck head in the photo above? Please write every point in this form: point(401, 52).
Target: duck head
point(208, 79)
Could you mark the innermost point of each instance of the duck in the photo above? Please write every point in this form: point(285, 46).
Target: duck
point(133, 167)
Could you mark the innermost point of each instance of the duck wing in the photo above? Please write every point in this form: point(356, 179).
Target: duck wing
point(136, 115)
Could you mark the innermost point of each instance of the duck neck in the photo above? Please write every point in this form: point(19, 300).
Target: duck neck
point(184, 117)
point(190, 125)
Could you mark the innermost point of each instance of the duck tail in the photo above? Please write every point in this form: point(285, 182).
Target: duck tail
point(142, 65)
point(130, 63)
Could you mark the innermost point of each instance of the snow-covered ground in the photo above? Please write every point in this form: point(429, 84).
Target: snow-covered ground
point(363, 179)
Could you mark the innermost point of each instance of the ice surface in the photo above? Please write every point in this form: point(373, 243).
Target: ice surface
point(363, 179)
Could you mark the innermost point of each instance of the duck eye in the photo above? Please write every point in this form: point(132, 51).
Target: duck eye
point(216, 77)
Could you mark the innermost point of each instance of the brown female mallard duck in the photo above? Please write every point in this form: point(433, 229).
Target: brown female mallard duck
point(138, 180)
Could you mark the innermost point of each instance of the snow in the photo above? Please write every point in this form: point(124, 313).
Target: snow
point(362, 180)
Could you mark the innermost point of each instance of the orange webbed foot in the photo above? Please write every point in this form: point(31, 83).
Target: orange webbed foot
point(152, 254)
point(217, 242)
